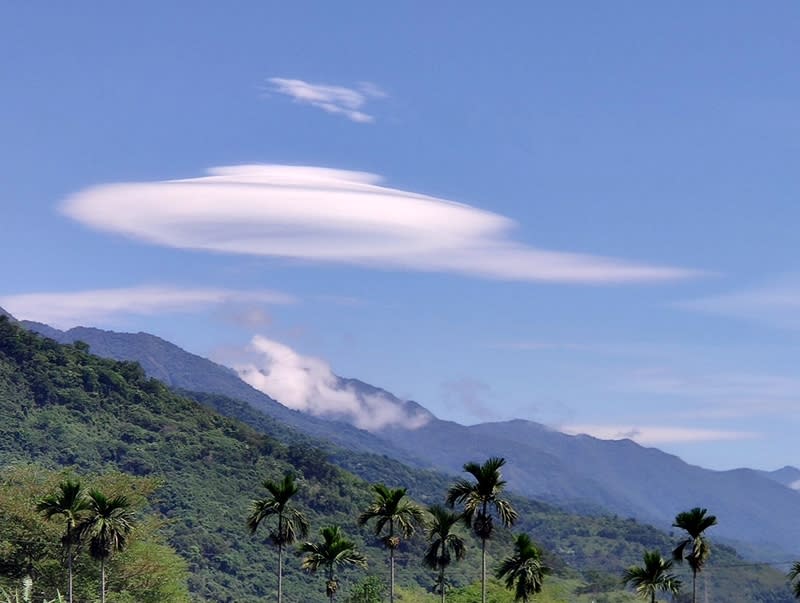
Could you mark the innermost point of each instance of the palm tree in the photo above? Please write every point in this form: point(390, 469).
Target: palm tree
point(444, 543)
point(523, 571)
point(694, 523)
point(652, 576)
point(334, 551)
point(794, 573)
point(479, 499)
point(70, 503)
point(106, 529)
point(391, 508)
point(291, 523)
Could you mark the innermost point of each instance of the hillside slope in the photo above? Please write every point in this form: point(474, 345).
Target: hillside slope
point(67, 407)
point(180, 369)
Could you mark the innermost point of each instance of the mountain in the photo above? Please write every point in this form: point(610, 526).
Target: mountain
point(620, 476)
point(180, 369)
point(788, 476)
point(580, 472)
point(65, 407)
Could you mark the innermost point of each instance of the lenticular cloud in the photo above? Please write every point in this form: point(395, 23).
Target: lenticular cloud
point(329, 215)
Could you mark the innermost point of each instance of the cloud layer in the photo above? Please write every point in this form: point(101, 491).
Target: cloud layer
point(308, 384)
point(329, 215)
point(99, 306)
point(776, 304)
point(337, 100)
point(651, 435)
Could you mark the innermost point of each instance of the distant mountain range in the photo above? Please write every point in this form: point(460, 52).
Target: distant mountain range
point(580, 473)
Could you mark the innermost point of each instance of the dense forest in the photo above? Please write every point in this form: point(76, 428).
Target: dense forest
point(191, 465)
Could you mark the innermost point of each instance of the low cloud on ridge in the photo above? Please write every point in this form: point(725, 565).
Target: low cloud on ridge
point(337, 216)
point(308, 384)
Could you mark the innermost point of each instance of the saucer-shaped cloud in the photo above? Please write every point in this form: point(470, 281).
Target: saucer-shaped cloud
point(329, 215)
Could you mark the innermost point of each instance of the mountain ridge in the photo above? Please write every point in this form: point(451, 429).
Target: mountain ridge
point(577, 472)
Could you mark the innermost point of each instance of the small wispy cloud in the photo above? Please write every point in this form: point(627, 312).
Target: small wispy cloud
point(337, 100)
point(308, 384)
point(100, 306)
point(776, 304)
point(328, 215)
point(651, 435)
point(707, 394)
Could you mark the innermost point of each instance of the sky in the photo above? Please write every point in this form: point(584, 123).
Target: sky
point(582, 214)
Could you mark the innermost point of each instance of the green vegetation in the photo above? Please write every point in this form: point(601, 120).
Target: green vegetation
point(333, 552)
point(189, 475)
point(392, 508)
point(444, 545)
point(479, 499)
point(651, 577)
point(694, 523)
point(107, 529)
point(70, 503)
point(793, 576)
point(523, 571)
point(291, 523)
point(33, 548)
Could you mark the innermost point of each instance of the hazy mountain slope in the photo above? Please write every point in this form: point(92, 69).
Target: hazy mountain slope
point(622, 476)
point(65, 406)
point(577, 472)
point(788, 476)
point(178, 368)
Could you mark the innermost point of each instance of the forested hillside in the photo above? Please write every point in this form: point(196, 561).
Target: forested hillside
point(63, 407)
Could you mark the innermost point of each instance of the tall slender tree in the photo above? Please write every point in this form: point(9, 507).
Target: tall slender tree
point(106, 528)
point(444, 544)
point(479, 499)
point(652, 576)
point(793, 576)
point(395, 513)
point(70, 503)
point(333, 552)
point(289, 522)
point(524, 570)
point(695, 548)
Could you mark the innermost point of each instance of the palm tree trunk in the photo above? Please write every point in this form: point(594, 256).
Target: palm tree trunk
point(280, 572)
point(69, 571)
point(483, 559)
point(483, 570)
point(653, 597)
point(391, 575)
point(391, 561)
point(102, 581)
point(441, 582)
point(694, 585)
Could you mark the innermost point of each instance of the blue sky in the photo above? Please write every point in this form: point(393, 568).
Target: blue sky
point(582, 214)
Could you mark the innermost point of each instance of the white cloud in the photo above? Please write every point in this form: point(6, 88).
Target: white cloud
point(308, 384)
point(651, 435)
point(337, 100)
point(329, 215)
point(99, 306)
point(776, 304)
